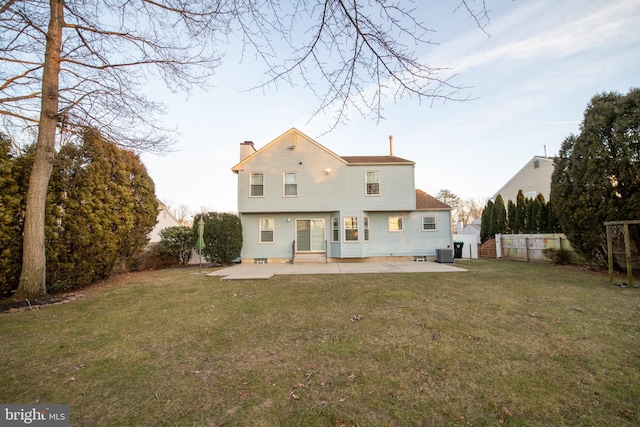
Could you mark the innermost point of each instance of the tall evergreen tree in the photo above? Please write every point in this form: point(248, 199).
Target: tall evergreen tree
point(499, 216)
point(597, 173)
point(542, 219)
point(486, 227)
point(521, 212)
point(511, 217)
point(100, 208)
point(10, 227)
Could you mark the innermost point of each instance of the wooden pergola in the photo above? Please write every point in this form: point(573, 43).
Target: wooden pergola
point(614, 228)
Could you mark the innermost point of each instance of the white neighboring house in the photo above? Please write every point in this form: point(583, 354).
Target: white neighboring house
point(471, 229)
point(533, 179)
point(165, 219)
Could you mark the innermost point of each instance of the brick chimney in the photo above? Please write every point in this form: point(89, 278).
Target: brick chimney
point(246, 149)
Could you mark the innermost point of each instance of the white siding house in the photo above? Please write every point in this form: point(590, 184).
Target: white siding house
point(165, 219)
point(297, 200)
point(533, 179)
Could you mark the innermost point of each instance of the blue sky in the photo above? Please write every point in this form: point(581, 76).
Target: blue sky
point(529, 83)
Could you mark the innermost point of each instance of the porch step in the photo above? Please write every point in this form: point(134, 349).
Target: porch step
point(320, 258)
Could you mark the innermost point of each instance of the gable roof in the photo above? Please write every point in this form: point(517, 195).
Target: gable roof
point(295, 131)
point(348, 160)
point(427, 202)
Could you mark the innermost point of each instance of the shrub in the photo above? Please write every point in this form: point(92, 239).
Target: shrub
point(559, 256)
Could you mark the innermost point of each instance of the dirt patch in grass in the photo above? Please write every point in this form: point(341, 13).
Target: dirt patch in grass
point(14, 306)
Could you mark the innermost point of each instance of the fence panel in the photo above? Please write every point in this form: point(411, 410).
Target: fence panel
point(530, 247)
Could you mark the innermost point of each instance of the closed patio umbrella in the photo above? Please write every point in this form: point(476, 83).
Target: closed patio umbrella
point(200, 242)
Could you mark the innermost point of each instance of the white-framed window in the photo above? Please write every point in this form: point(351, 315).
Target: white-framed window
point(428, 223)
point(290, 184)
point(530, 195)
point(351, 228)
point(335, 229)
point(372, 183)
point(266, 230)
point(395, 223)
point(365, 226)
point(257, 185)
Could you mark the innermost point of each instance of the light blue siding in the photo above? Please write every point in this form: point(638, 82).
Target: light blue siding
point(325, 182)
point(412, 241)
point(284, 233)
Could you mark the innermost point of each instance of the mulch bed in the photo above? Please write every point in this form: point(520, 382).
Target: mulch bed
point(12, 306)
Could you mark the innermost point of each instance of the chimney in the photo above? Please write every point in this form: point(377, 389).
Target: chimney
point(246, 149)
point(390, 145)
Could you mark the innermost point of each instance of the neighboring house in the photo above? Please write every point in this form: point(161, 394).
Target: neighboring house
point(165, 219)
point(297, 198)
point(472, 229)
point(533, 179)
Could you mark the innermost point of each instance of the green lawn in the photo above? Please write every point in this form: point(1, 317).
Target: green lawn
point(506, 343)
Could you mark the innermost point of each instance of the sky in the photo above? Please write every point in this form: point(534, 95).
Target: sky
point(528, 83)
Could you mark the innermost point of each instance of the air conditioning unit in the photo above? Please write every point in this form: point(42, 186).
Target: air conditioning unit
point(444, 255)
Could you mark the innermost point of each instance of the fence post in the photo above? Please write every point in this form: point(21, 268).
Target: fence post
point(610, 256)
point(627, 250)
point(526, 247)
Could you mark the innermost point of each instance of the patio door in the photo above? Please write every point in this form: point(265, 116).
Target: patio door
point(310, 235)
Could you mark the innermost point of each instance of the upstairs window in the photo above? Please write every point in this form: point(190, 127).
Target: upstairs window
point(290, 184)
point(428, 223)
point(395, 223)
point(372, 183)
point(266, 230)
point(257, 185)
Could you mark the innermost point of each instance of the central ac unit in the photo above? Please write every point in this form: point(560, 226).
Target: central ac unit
point(444, 255)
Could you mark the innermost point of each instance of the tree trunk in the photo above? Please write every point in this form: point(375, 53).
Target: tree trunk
point(33, 276)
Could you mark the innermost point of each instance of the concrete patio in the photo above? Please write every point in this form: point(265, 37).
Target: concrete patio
point(266, 271)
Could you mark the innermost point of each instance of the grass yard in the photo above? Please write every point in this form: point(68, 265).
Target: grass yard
point(506, 343)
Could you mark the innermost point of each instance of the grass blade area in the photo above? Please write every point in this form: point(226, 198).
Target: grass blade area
point(506, 343)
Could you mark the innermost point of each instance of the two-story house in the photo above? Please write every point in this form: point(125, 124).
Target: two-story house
point(296, 199)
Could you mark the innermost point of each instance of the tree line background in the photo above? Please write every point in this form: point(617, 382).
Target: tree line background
point(524, 216)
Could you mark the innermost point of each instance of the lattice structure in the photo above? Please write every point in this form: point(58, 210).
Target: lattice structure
point(619, 243)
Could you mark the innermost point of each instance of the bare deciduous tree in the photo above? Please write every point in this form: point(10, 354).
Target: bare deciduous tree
point(181, 213)
point(70, 65)
point(471, 210)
